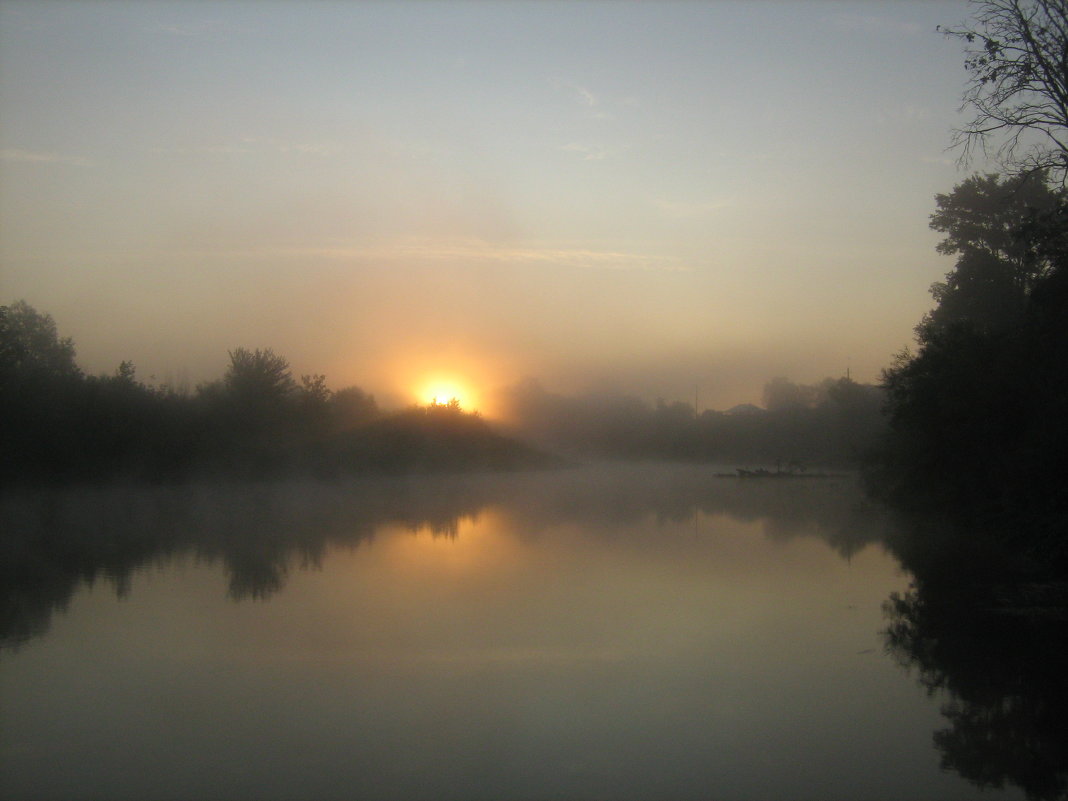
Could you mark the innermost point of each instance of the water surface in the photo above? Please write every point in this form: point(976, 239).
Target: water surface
point(608, 633)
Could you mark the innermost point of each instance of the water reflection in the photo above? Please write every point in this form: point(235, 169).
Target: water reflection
point(994, 646)
point(626, 632)
point(56, 541)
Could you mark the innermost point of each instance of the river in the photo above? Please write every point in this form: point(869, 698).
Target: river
point(613, 632)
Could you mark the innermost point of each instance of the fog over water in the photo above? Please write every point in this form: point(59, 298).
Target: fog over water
point(510, 400)
point(626, 632)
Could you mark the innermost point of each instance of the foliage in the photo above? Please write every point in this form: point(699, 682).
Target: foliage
point(350, 407)
point(259, 377)
point(1017, 89)
point(313, 390)
point(996, 267)
point(833, 422)
point(58, 425)
point(260, 532)
point(31, 347)
point(977, 414)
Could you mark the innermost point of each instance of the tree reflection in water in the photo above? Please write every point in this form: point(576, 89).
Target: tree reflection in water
point(57, 541)
point(991, 638)
point(996, 650)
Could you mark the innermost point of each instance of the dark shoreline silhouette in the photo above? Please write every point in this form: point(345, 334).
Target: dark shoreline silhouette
point(60, 427)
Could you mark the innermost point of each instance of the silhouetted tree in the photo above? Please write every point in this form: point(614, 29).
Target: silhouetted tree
point(258, 376)
point(314, 403)
point(31, 346)
point(40, 389)
point(977, 413)
point(352, 406)
point(1017, 89)
point(781, 394)
point(313, 389)
point(58, 425)
point(803, 424)
point(983, 219)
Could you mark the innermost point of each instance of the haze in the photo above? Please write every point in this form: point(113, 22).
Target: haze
point(647, 197)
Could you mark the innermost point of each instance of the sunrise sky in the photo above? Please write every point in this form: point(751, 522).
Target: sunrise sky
point(649, 197)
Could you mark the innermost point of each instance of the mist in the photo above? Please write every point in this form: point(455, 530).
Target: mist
point(502, 207)
point(533, 400)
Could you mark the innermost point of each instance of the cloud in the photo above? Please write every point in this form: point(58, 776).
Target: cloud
point(38, 157)
point(592, 152)
point(594, 108)
point(472, 251)
point(251, 144)
point(584, 95)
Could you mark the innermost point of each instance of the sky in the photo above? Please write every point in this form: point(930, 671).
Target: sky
point(656, 198)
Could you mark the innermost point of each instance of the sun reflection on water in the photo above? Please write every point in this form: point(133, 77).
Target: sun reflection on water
point(469, 543)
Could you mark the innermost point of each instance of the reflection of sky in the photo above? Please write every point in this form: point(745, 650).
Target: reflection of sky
point(682, 659)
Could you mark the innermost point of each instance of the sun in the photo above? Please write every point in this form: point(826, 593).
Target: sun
point(442, 391)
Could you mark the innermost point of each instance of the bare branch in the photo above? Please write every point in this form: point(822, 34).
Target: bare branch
point(1016, 55)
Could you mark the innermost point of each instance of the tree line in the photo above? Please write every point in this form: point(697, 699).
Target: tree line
point(835, 422)
point(59, 425)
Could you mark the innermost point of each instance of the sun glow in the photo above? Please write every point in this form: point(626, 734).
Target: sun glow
point(442, 391)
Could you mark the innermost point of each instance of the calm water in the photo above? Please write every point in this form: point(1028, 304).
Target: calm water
point(622, 633)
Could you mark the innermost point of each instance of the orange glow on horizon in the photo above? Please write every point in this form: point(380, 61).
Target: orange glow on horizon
point(464, 372)
point(442, 390)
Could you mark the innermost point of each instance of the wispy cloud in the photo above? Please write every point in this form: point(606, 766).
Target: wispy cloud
point(591, 152)
point(250, 144)
point(469, 251)
point(285, 146)
point(39, 157)
point(592, 103)
point(584, 95)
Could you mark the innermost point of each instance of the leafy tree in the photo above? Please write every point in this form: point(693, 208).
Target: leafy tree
point(1016, 55)
point(352, 406)
point(978, 414)
point(40, 387)
point(781, 394)
point(997, 267)
point(314, 399)
point(259, 377)
point(313, 390)
point(30, 344)
point(126, 373)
